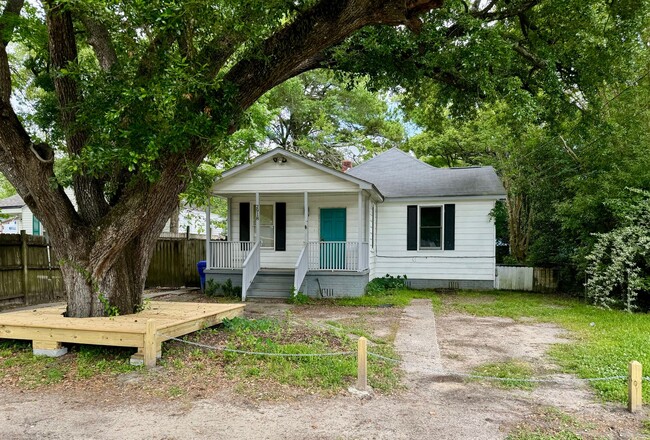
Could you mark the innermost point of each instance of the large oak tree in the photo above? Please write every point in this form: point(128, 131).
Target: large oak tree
point(172, 80)
point(131, 96)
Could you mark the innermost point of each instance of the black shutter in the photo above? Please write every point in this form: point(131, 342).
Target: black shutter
point(412, 228)
point(244, 222)
point(280, 226)
point(450, 227)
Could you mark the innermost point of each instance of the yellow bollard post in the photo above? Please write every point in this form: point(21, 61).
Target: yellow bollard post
point(635, 381)
point(362, 364)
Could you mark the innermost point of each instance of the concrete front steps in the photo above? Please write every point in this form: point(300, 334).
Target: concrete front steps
point(271, 284)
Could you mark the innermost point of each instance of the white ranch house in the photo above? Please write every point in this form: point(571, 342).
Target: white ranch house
point(295, 223)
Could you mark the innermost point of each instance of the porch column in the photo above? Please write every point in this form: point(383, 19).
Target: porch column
point(306, 208)
point(207, 234)
point(360, 229)
point(228, 219)
point(257, 218)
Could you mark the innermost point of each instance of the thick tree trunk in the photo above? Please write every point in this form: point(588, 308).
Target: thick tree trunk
point(117, 289)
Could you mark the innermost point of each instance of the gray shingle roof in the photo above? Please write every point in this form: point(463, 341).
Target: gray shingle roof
point(14, 201)
point(397, 174)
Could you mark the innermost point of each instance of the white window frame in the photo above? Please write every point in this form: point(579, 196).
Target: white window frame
point(442, 227)
point(254, 223)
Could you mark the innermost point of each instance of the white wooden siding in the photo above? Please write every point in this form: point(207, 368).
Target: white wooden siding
point(27, 221)
point(290, 177)
point(295, 222)
point(472, 259)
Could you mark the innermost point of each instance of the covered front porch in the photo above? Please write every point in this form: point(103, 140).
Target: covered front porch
point(292, 225)
point(305, 241)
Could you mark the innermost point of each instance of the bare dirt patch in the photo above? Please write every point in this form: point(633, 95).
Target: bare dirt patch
point(469, 341)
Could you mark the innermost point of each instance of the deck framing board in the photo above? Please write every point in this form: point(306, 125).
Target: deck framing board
point(170, 319)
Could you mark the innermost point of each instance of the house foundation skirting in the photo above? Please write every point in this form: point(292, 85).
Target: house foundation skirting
point(330, 284)
point(450, 284)
point(220, 276)
point(334, 284)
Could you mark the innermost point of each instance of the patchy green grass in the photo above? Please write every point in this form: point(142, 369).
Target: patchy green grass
point(190, 371)
point(395, 298)
point(326, 373)
point(515, 373)
point(646, 427)
point(19, 366)
point(604, 341)
point(553, 424)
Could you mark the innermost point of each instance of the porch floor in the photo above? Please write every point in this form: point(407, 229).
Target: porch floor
point(47, 328)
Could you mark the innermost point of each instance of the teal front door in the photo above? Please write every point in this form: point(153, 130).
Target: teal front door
point(332, 237)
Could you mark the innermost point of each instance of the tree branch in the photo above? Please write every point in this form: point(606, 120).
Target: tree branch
point(7, 22)
point(63, 54)
point(326, 24)
point(31, 177)
point(100, 40)
point(532, 58)
point(485, 13)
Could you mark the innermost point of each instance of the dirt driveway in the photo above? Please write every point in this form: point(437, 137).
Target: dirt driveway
point(429, 407)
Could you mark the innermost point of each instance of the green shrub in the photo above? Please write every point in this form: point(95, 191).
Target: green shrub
point(619, 263)
point(389, 282)
point(299, 298)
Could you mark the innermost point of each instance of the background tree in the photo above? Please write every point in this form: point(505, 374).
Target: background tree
point(326, 119)
point(564, 152)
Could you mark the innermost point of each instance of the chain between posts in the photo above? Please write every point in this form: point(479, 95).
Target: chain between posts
point(445, 373)
point(634, 377)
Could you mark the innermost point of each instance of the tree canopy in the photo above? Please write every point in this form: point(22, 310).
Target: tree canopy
point(130, 96)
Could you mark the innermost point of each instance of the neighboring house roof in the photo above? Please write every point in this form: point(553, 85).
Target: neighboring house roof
point(398, 174)
point(14, 201)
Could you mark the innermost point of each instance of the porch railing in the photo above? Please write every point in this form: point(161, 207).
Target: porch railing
point(229, 254)
point(338, 255)
point(250, 267)
point(301, 269)
point(364, 253)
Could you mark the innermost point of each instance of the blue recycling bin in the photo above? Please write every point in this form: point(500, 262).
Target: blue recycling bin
point(201, 268)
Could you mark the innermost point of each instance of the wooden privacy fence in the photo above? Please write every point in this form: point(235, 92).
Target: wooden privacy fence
point(173, 263)
point(535, 279)
point(27, 273)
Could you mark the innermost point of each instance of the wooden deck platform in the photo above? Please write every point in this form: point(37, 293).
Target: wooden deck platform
point(47, 328)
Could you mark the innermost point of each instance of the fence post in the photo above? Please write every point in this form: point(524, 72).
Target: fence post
point(23, 256)
point(362, 364)
point(635, 381)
